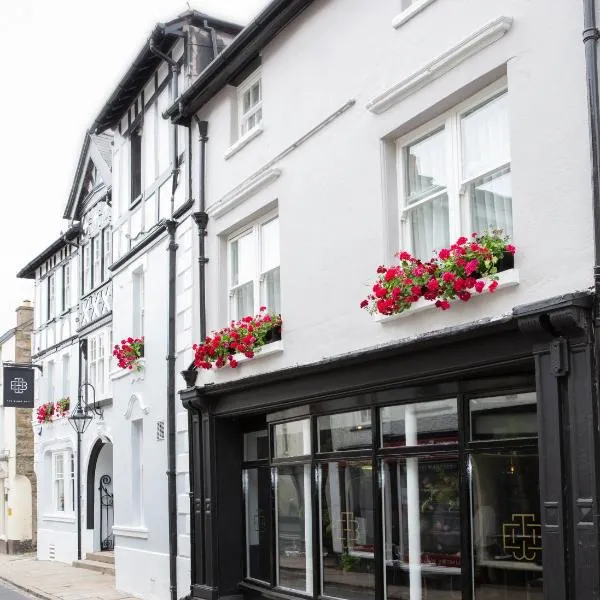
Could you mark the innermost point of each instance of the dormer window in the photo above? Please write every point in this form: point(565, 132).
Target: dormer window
point(250, 104)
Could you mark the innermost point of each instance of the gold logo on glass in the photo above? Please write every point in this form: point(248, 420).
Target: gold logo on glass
point(522, 538)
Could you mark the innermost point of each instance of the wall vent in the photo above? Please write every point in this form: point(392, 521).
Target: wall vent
point(160, 431)
point(51, 552)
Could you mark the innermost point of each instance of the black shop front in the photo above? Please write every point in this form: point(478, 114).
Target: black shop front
point(458, 466)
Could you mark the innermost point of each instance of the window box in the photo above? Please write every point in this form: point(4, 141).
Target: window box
point(506, 279)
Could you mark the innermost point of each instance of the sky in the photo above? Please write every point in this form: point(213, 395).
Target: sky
point(60, 60)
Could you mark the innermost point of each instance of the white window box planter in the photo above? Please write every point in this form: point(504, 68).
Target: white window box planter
point(506, 279)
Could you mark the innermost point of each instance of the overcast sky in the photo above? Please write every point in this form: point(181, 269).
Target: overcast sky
point(60, 60)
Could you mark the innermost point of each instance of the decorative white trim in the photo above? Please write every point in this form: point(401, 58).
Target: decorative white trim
point(135, 397)
point(410, 12)
point(245, 190)
point(506, 279)
point(442, 64)
point(130, 532)
point(59, 518)
point(243, 141)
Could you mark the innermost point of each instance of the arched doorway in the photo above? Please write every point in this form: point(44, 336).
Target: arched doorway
point(100, 502)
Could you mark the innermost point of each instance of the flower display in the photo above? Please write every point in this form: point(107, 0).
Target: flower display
point(246, 336)
point(129, 352)
point(468, 267)
point(45, 412)
point(62, 407)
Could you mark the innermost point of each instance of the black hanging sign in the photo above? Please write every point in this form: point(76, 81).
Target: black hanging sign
point(18, 387)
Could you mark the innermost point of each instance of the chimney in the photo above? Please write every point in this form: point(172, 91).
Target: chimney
point(25, 316)
point(23, 333)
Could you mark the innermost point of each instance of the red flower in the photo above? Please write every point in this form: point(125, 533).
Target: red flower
point(510, 248)
point(448, 277)
point(433, 285)
point(404, 256)
point(461, 240)
point(492, 287)
point(471, 266)
point(470, 282)
point(364, 304)
point(233, 363)
point(479, 285)
point(459, 284)
point(443, 304)
point(464, 296)
point(444, 253)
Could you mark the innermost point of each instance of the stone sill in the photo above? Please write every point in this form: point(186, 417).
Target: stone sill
point(243, 141)
point(506, 279)
point(130, 532)
point(410, 12)
point(59, 518)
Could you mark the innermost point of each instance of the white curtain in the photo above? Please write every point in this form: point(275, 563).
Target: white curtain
point(429, 224)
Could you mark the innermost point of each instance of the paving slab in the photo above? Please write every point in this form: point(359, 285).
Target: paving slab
point(53, 580)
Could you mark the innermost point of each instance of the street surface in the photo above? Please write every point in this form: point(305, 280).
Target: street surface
point(9, 593)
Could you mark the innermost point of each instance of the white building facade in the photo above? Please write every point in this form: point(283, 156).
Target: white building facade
point(390, 457)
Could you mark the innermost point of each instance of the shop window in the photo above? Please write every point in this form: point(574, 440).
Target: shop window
point(502, 417)
point(292, 439)
point(347, 530)
point(345, 431)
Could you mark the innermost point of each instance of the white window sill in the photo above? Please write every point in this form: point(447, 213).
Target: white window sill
point(243, 141)
point(506, 279)
point(137, 375)
point(130, 532)
point(59, 518)
point(408, 13)
point(266, 350)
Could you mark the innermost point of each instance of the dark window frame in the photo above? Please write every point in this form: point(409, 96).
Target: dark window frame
point(463, 391)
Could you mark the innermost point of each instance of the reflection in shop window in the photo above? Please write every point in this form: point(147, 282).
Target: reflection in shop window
point(507, 544)
point(347, 530)
point(422, 527)
point(344, 431)
point(294, 528)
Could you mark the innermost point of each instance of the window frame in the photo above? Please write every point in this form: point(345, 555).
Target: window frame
point(253, 229)
point(66, 286)
point(390, 396)
point(65, 459)
point(456, 189)
point(243, 117)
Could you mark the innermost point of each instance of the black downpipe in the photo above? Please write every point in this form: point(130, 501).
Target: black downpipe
point(590, 41)
point(171, 474)
point(82, 347)
point(201, 218)
point(171, 226)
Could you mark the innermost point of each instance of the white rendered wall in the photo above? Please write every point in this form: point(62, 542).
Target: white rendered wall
point(333, 197)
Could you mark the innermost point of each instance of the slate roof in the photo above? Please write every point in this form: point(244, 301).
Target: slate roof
point(7, 335)
point(164, 36)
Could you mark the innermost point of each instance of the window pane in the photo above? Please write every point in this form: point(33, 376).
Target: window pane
point(426, 166)
point(420, 424)
point(242, 301)
point(485, 140)
point(258, 511)
point(150, 212)
point(256, 445)
point(507, 543)
point(294, 528)
point(422, 528)
point(292, 439)
point(491, 202)
point(149, 145)
point(347, 530)
point(430, 226)
point(270, 294)
point(345, 431)
point(269, 245)
point(243, 259)
point(255, 93)
point(501, 417)
point(246, 102)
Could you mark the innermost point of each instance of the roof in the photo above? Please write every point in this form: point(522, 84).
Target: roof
point(236, 57)
point(7, 335)
point(28, 271)
point(98, 149)
point(164, 37)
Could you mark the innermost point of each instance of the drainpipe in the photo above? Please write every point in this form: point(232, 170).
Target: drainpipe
point(201, 219)
point(590, 41)
point(171, 356)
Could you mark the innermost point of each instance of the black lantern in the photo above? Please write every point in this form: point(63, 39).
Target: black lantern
point(80, 418)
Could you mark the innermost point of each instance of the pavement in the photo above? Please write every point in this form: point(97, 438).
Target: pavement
point(52, 580)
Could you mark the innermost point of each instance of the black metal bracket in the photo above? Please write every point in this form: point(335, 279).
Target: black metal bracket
point(24, 365)
point(559, 357)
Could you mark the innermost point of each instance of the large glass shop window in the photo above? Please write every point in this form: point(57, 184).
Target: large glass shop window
point(294, 507)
